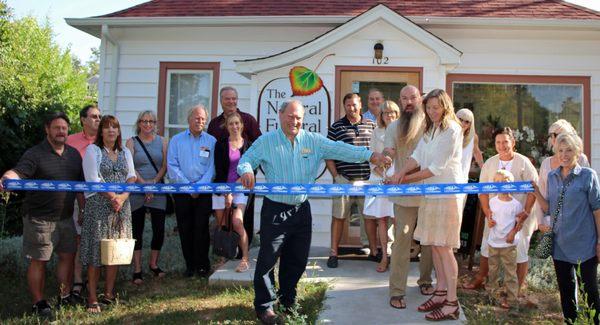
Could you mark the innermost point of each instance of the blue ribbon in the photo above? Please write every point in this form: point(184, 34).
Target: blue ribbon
point(273, 188)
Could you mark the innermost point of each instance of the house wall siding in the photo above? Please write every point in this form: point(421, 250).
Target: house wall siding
point(485, 51)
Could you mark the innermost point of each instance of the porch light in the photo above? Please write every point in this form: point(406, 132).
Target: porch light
point(378, 51)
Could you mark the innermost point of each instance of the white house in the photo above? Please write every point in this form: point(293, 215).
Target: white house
point(521, 63)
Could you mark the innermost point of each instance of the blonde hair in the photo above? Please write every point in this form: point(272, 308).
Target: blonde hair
point(559, 127)
point(389, 105)
point(231, 117)
point(136, 127)
point(446, 103)
point(573, 141)
point(467, 115)
point(507, 176)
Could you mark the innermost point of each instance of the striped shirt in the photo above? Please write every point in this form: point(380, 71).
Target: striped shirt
point(358, 134)
point(284, 163)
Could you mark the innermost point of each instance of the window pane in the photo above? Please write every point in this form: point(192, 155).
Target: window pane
point(187, 89)
point(528, 108)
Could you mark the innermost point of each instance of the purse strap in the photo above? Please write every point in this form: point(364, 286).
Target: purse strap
point(146, 152)
point(561, 199)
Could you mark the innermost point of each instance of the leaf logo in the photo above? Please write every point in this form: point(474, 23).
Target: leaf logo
point(304, 81)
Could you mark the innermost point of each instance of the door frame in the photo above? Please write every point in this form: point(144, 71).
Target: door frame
point(355, 68)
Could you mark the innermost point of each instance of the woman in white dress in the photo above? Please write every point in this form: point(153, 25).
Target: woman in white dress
point(551, 163)
point(378, 208)
point(470, 141)
point(438, 155)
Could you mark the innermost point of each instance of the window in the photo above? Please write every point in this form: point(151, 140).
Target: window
point(527, 104)
point(183, 85)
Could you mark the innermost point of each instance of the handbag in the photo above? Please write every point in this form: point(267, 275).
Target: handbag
point(545, 244)
point(225, 240)
point(170, 207)
point(116, 251)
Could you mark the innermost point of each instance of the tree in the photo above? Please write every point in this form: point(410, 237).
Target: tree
point(36, 76)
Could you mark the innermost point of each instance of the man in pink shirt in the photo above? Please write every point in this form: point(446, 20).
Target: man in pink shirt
point(89, 117)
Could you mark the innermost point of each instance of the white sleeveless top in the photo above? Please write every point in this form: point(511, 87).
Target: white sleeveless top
point(467, 157)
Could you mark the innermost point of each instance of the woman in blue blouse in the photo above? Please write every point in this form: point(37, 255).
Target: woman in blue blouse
point(577, 225)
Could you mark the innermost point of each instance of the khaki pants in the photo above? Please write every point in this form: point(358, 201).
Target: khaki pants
point(507, 257)
point(406, 220)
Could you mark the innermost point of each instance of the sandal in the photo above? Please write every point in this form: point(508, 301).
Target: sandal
point(77, 288)
point(137, 278)
point(437, 315)
point(158, 272)
point(382, 267)
point(426, 289)
point(243, 266)
point(476, 284)
point(94, 308)
point(107, 301)
point(401, 304)
point(430, 305)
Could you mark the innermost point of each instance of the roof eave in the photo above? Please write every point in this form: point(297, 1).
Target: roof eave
point(92, 26)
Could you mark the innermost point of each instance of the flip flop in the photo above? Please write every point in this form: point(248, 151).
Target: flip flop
point(399, 299)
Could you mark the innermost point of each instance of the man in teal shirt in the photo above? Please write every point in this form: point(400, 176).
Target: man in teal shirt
point(289, 155)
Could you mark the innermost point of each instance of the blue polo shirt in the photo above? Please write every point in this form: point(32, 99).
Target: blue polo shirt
point(575, 229)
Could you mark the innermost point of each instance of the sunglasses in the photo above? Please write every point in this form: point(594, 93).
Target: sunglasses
point(95, 116)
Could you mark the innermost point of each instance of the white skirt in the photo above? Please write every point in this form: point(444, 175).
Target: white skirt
point(378, 207)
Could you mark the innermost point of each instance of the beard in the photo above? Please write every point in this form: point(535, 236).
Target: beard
point(410, 125)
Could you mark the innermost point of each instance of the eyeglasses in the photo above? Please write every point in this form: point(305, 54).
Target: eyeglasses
point(147, 121)
point(95, 116)
point(464, 121)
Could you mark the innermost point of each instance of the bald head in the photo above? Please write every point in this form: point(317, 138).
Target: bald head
point(410, 98)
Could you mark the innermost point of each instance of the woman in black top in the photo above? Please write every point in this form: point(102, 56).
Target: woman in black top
point(227, 155)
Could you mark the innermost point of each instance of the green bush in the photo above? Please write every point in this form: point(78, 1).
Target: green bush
point(36, 76)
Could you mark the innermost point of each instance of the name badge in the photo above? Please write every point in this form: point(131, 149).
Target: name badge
point(204, 152)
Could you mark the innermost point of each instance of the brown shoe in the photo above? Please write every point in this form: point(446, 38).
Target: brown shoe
point(268, 317)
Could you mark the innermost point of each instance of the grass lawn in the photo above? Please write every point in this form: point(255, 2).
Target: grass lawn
point(173, 299)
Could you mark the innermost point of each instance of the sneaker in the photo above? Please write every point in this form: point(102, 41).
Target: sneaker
point(42, 309)
point(332, 262)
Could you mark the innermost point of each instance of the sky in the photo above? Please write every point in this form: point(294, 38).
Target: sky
point(81, 43)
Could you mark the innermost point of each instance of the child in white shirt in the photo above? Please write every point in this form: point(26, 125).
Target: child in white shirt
point(501, 240)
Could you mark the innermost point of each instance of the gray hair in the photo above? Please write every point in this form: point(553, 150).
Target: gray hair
point(287, 103)
point(136, 127)
point(571, 140)
point(226, 88)
point(194, 108)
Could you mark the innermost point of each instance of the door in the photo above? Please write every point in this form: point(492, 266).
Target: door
point(389, 80)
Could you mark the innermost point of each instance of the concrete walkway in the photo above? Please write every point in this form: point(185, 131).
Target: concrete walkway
point(359, 294)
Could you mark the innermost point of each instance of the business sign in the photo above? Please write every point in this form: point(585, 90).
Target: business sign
point(275, 92)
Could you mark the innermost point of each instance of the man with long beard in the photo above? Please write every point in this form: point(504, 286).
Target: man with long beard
point(401, 139)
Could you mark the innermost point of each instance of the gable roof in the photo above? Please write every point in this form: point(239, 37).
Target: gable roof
point(536, 9)
point(447, 54)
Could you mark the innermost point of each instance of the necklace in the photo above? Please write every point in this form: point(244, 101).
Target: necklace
point(504, 166)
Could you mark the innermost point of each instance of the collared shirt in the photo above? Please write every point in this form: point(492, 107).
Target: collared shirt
point(42, 162)
point(370, 116)
point(575, 234)
point(284, 163)
point(251, 130)
point(190, 159)
point(80, 141)
point(358, 134)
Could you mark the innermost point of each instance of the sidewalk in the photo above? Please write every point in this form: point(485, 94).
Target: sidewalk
point(359, 294)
